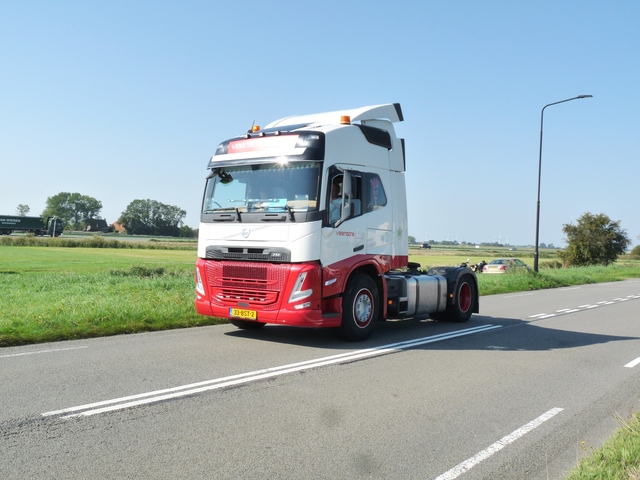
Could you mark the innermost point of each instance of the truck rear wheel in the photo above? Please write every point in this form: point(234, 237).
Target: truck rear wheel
point(464, 299)
point(360, 308)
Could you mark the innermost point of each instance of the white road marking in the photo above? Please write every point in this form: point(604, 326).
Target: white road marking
point(38, 352)
point(564, 311)
point(218, 383)
point(467, 465)
point(633, 363)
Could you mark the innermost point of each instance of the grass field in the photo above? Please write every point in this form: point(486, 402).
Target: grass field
point(50, 293)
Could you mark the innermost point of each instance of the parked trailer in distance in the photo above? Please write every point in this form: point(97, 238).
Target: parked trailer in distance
point(39, 226)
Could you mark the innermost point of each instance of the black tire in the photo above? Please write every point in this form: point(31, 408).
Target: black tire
point(360, 308)
point(464, 300)
point(247, 325)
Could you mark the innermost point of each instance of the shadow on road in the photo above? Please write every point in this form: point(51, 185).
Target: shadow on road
point(513, 335)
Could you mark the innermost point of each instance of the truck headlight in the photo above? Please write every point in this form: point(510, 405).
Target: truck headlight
point(199, 285)
point(297, 293)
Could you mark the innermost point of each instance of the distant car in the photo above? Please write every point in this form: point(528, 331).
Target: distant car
point(501, 265)
point(425, 245)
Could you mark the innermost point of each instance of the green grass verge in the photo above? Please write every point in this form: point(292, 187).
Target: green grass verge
point(524, 280)
point(618, 458)
point(60, 293)
point(48, 307)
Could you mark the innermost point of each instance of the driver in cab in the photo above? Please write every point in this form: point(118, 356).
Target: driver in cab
point(335, 206)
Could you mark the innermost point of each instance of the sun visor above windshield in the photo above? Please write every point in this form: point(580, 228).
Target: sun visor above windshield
point(292, 146)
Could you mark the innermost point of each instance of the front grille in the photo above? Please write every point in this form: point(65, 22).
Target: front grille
point(252, 298)
point(255, 284)
point(244, 272)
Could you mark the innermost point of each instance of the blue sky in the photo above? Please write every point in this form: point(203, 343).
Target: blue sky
point(128, 100)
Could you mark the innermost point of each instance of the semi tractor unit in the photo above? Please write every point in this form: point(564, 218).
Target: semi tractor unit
point(304, 223)
point(39, 226)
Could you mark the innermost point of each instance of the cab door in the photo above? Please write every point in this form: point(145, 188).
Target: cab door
point(343, 234)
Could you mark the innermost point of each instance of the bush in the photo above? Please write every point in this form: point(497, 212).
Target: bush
point(595, 240)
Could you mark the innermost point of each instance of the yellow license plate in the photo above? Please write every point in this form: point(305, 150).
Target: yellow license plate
point(241, 313)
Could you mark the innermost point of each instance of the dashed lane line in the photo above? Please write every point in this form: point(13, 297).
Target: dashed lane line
point(40, 352)
point(565, 311)
point(633, 363)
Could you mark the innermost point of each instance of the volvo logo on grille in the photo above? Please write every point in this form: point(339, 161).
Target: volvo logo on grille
point(245, 233)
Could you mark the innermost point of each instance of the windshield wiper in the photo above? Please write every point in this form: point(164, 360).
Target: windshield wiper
point(221, 215)
point(282, 216)
point(225, 209)
point(287, 208)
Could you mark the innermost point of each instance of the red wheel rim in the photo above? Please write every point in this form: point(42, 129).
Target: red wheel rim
point(464, 298)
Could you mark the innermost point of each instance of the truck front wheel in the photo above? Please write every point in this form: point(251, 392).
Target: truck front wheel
point(360, 308)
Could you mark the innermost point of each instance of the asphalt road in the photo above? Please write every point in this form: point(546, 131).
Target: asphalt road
point(521, 391)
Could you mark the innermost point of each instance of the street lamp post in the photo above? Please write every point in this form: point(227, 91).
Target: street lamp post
point(535, 255)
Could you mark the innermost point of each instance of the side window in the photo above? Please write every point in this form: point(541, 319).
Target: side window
point(344, 199)
point(353, 193)
point(335, 198)
point(374, 195)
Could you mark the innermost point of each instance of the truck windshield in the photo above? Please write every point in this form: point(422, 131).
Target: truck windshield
point(269, 187)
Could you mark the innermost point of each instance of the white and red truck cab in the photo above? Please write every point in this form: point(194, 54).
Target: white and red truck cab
point(304, 223)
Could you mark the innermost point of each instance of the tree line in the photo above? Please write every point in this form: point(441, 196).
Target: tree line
point(141, 217)
point(594, 240)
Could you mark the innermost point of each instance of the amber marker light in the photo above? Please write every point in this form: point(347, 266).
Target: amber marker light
point(255, 128)
point(345, 120)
